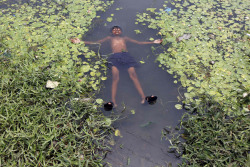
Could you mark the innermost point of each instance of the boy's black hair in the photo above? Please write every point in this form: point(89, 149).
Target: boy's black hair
point(115, 27)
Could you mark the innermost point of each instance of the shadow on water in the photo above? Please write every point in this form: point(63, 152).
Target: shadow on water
point(140, 144)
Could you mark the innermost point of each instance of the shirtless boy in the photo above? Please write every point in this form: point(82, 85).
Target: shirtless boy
point(121, 58)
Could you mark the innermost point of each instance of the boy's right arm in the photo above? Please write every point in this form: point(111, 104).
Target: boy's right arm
point(104, 39)
point(75, 40)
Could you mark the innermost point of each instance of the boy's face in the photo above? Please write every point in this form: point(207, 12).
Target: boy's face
point(116, 31)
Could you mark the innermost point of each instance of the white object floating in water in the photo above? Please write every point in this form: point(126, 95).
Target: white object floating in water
point(185, 36)
point(82, 99)
point(52, 84)
point(245, 94)
point(168, 10)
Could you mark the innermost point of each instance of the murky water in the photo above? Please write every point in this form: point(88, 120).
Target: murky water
point(140, 146)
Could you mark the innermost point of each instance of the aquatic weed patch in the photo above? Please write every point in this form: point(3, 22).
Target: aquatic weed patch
point(206, 48)
point(42, 125)
point(213, 62)
point(43, 29)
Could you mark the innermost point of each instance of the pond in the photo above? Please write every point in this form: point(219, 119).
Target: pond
point(140, 125)
point(205, 45)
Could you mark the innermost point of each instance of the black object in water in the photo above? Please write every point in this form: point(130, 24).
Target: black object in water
point(151, 99)
point(108, 106)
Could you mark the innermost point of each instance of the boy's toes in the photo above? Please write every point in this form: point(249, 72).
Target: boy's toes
point(143, 101)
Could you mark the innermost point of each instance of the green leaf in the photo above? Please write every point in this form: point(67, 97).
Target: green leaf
point(108, 121)
point(99, 101)
point(178, 106)
point(85, 68)
point(132, 111)
point(109, 19)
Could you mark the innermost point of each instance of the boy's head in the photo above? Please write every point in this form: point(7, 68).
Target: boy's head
point(116, 30)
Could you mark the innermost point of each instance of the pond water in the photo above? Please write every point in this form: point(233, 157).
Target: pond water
point(140, 145)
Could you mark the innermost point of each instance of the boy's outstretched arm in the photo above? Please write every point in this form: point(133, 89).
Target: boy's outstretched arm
point(77, 40)
point(157, 41)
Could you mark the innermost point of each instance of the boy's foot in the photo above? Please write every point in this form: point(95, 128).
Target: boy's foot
point(142, 100)
point(108, 106)
point(151, 99)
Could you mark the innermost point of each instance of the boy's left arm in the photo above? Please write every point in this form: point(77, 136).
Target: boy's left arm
point(157, 41)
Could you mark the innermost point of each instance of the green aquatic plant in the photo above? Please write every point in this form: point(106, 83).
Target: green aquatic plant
point(206, 48)
point(217, 33)
point(211, 139)
point(48, 114)
point(44, 29)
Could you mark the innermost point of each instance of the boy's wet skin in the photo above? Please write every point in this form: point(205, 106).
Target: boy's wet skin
point(118, 45)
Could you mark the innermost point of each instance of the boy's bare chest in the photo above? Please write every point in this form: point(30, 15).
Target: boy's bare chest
point(118, 41)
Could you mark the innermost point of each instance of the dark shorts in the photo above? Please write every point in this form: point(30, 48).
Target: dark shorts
point(122, 60)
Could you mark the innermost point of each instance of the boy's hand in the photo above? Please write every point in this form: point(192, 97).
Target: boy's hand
point(158, 41)
point(75, 40)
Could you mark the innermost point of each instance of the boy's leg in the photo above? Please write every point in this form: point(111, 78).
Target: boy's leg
point(115, 80)
point(133, 76)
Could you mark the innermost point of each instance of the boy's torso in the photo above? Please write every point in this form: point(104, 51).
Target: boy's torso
point(118, 44)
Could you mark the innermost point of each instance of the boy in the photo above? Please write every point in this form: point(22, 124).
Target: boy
point(121, 59)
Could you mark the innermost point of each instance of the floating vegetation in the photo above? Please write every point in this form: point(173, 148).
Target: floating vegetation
point(206, 45)
point(47, 113)
point(198, 33)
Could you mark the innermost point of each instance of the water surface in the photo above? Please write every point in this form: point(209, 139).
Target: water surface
point(139, 146)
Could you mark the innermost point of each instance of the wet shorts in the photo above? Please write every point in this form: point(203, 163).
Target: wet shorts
point(122, 60)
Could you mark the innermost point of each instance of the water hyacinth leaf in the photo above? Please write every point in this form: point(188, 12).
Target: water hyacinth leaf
point(132, 111)
point(103, 78)
point(109, 19)
point(92, 73)
point(108, 121)
point(99, 101)
point(118, 133)
point(178, 106)
point(85, 68)
point(137, 31)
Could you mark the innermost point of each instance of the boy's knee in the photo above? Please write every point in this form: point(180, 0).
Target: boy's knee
point(132, 75)
point(115, 78)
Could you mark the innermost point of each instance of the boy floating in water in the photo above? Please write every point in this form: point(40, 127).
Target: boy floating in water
point(122, 59)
